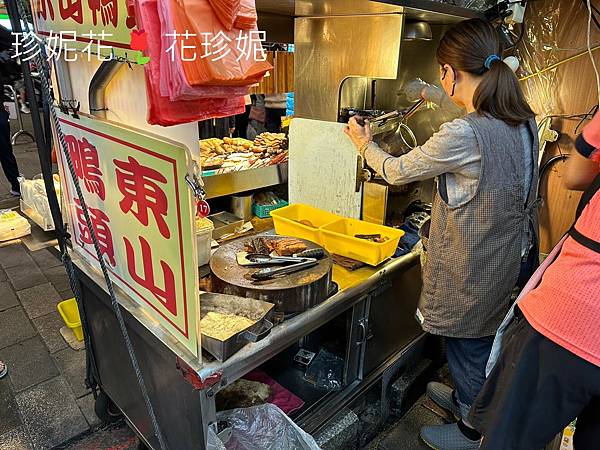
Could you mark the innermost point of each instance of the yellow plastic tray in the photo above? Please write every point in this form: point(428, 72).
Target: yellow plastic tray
point(286, 221)
point(70, 314)
point(338, 237)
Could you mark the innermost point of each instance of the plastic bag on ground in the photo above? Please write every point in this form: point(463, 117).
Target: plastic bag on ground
point(263, 427)
point(161, 110)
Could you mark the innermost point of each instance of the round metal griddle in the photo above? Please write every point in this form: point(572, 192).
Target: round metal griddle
point(291, 293)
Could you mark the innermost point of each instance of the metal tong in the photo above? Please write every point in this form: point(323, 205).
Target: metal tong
point(300, 261)
point(260, 259)
point(270, 272)
point(403, 115)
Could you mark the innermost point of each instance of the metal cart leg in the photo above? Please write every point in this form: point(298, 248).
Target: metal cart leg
point(21, 131)
point(208, 410)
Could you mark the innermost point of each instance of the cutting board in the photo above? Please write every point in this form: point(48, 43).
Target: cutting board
point(322, 167)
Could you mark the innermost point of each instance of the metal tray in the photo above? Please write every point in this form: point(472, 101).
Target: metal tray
point(261, 312)
point(225, 223)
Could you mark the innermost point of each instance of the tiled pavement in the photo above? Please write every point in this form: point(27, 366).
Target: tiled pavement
point(43, 399)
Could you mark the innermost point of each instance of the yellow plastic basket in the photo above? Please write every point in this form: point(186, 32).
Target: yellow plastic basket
point(286, 221)
point(338, 238)
point(70, 314)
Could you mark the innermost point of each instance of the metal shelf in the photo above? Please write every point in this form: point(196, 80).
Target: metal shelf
point(434, 11)
point(245, 180)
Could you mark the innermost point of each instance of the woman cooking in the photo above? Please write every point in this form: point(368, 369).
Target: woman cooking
point(483, 222)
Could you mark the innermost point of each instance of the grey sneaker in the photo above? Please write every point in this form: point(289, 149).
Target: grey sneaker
point(443, 396)
point(447, 437)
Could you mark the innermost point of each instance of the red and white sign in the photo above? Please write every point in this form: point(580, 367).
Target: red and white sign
point(142, 212)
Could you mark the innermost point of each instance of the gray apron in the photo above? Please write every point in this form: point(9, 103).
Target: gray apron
point(474, 250)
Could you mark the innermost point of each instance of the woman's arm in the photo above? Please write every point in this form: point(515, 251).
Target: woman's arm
point(580, 172)
point(451, 148)
point(583, 165)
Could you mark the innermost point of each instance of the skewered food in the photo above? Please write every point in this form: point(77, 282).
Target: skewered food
point(233, 154)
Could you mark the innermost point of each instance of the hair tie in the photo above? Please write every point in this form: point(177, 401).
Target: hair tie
point(490, 59)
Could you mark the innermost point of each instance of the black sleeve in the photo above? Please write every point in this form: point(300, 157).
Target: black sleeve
point(6, 39)
point(583, 147)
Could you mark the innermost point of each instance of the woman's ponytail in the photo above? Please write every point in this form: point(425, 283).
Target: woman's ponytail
point(499, 94)
point(473, 46)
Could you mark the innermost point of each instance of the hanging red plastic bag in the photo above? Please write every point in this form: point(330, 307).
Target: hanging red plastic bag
point(161, 110)
point(246, 18)
point(173, 83)
point(212, 55)
point(226, 10)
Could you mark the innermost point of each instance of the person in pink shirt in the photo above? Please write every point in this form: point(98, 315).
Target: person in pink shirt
point(548, 371)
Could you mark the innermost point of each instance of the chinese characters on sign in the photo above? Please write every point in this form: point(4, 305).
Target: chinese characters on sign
point(141, 211)
point(94, 27)
point(248, 45)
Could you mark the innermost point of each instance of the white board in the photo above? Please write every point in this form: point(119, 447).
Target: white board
point(322, 167)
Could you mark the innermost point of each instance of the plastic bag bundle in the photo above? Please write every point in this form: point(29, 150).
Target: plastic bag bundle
point(212, 55)
point(161, 110)
point(226, 10)
point(246, 18)
point(173, 83)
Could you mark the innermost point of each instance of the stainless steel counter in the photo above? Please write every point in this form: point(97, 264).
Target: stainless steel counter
point(182, 386)
point(253, 355)
point(285, 334)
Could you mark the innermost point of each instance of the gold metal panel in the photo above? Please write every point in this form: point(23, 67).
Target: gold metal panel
point(375, 198)
point(329, 49)
point(342, 7)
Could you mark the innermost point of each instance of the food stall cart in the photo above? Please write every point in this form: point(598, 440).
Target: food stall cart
point(139, 185)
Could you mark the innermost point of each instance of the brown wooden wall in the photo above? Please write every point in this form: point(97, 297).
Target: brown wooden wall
point(569, 89)
point(281, 78)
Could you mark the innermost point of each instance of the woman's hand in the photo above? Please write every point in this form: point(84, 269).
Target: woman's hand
point(360, 135)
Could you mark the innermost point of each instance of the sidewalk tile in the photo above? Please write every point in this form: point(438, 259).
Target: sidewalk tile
point(29, 363)
point(405, 434)
point(50, 413)
point(48, 326)
point(3, 276)
point(86, 404)
point(9, 413)
point(8, 299)
point(14, 255)
point(58, 277)
point(25, 276)
point(39, 300)
point(45, 259)
point(72, 365)
point(16, 439)
point(66, 294)
point(14, 327)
